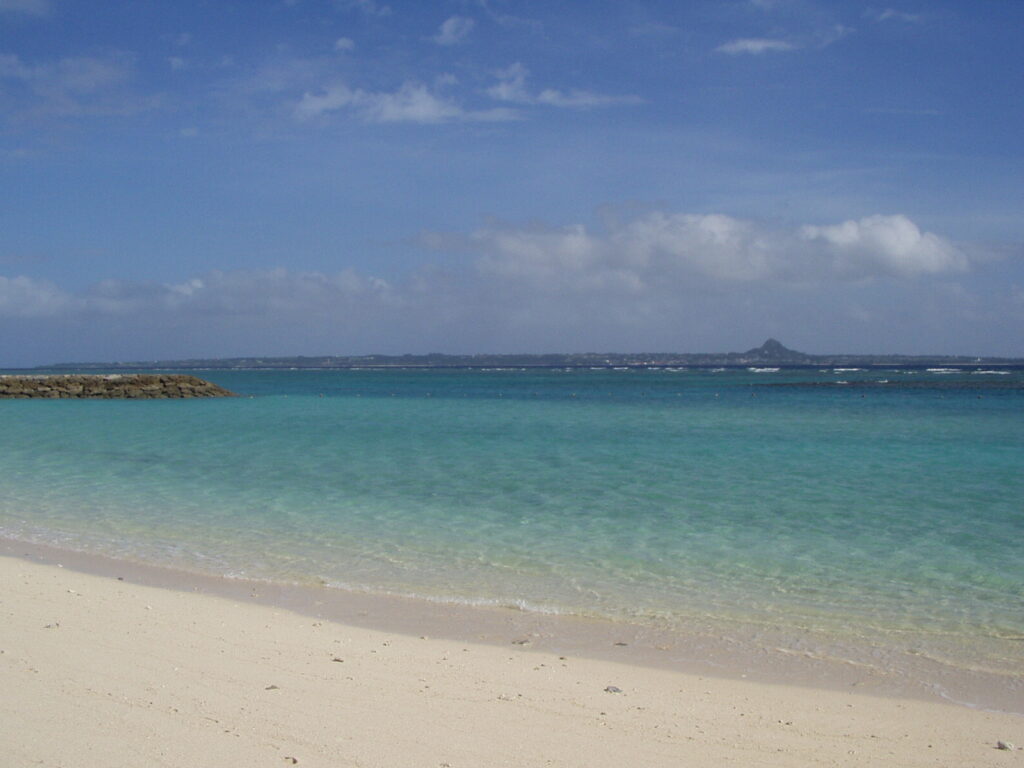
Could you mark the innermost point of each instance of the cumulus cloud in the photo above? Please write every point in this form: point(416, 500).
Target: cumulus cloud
point(631, 282)
point(893, 245)
point(755, 46)
point(663, 248)
point(344, 44)
point(412, 102)
point(651, 253)
point(644, 254)
point(511, 87)
point(453, 30)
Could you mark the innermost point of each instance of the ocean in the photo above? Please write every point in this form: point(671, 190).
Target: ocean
point(873, 517)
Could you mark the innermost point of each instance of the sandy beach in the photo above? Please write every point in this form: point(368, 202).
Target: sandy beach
point(101, 671)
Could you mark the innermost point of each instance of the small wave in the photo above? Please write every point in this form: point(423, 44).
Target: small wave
point(991, 373)
point(515, 604)
point(846, 370)
point(943, 370)
point(763, 370)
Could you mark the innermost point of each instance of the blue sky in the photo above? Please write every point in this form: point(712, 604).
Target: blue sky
point(220, 178)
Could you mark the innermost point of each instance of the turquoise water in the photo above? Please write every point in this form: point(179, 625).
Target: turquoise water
point(890, 514)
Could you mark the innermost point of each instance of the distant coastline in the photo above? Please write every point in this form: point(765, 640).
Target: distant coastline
point(771, 353)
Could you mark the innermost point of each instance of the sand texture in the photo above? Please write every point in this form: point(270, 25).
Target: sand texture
point(101, 672)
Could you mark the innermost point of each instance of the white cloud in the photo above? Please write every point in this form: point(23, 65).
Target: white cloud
point(34, 7)
point(239, 293)
point(891, 14)
point(177, 63)
point(833, 34)
point(82, 85)
point(369, 7)
point(511, 87)
point(282, 75)
point(12, 68)
point(26, 297)
point(328, 100)
point(542, 255)
point(580, 99)
point(344, 44)
point(892, 245)
point(453, 30)
point(310, 89)
point(662, 280)
point(755, 46)
point(715, 245)
point(412, 102)
point(659, 253)
point(662, 248)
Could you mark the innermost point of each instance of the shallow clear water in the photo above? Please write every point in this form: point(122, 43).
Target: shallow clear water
point(892, 516)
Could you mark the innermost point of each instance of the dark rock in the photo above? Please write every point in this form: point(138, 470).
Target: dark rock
point(131, 386)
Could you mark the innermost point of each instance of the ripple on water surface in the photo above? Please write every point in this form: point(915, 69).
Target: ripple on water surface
point(886, 516)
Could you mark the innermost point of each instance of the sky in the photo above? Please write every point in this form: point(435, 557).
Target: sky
point(214, 178)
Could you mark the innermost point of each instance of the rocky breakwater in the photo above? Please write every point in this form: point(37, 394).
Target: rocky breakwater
point(141, 386)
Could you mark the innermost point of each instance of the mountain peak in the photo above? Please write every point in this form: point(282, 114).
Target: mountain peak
point(773, 349)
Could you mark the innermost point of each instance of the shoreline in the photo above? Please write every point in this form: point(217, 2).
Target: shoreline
point(138, 674)
point(720, 656)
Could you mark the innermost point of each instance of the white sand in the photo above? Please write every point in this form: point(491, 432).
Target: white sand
point(97, 672)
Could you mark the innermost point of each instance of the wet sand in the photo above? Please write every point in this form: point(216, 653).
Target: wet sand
point(102, 671)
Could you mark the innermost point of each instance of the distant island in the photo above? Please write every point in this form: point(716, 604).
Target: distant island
point(771, 353)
